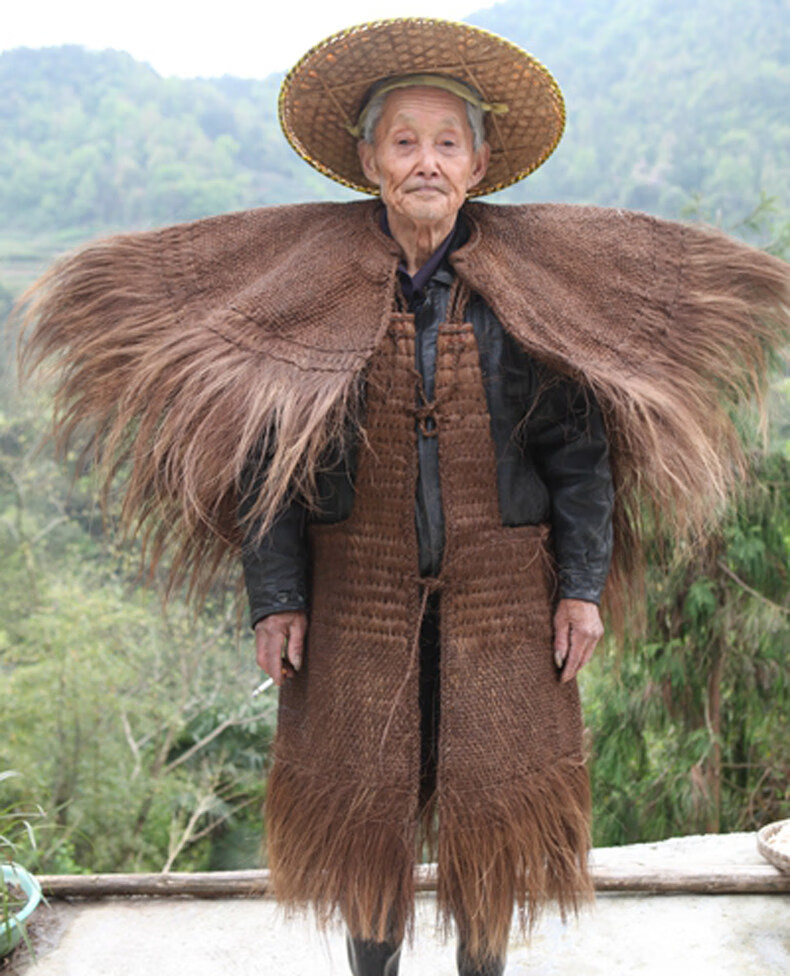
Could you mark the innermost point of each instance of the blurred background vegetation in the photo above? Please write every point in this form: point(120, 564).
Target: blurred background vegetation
point(134, 730)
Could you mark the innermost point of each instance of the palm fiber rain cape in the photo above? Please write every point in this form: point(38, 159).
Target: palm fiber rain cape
point(178, 354)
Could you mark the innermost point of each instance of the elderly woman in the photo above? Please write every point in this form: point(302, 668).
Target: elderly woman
point(427, 425)
point(544, 459)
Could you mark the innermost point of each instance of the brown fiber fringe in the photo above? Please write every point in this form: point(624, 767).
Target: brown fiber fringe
point(171, 380)
point(679, 456)
point(178, 354)
point(523, 844)
point(673, 328)
point(337, 847)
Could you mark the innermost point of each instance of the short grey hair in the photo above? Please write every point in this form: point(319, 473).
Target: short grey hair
point(375, 109)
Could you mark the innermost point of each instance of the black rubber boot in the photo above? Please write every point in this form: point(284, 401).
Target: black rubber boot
point(372, 958)
point(489, 967)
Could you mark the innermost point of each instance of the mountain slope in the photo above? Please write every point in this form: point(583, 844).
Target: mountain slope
point(667, 101)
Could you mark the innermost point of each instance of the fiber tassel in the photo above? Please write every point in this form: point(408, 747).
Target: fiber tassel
point(344, 848)
point(517, 844)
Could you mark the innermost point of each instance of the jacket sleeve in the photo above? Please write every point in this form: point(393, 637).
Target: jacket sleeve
point(275, 567)
point(568, 441)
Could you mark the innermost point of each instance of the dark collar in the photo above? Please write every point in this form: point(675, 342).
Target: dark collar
point(437, 266)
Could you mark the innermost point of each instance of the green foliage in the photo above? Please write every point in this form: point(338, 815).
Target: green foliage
point(134, 730)
point(689, 726)
point(667, 99)
point(16, 832)
point(99, 140)
point(16, 826)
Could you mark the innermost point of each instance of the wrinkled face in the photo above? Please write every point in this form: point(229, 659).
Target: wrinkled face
point(422, 158)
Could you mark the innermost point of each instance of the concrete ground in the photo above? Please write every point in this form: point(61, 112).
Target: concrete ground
point(623, 935)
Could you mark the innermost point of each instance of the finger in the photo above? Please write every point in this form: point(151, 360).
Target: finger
point(562, 638)
point(295, 651)
point(572, 657)
point(261, 657)
point(287, 669)
point(582, 647)
point(275, 664)
point(269, 650)
point(589, 650)
point(284, 669)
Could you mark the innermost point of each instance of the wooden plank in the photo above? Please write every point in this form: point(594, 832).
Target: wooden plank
point(206, 884)
point(733, 879)
point(638, 879)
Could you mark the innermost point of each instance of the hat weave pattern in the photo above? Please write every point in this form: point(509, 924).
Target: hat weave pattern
point(324, 92)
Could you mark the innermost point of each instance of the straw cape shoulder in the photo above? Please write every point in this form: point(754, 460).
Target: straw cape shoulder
point(174, 353)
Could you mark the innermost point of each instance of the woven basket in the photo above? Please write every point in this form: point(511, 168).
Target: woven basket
point(324, 93)
point(768, 850)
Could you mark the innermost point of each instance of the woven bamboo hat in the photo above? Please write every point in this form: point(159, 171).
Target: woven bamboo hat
point(323, 95)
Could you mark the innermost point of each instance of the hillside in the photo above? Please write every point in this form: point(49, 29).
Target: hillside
point(668, 102)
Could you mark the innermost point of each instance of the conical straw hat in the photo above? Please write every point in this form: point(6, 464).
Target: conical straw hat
point(323, 94)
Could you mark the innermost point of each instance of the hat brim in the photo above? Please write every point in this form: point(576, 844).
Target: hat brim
point(323, 94)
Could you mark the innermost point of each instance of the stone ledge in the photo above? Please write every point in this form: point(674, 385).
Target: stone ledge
point(621, 935)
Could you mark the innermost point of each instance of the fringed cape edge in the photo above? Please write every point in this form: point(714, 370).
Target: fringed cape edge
point(178, 354)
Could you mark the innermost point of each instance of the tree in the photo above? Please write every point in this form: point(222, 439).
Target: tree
point(114, 713)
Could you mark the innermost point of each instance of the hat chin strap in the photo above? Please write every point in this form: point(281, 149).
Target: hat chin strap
point(452, 85)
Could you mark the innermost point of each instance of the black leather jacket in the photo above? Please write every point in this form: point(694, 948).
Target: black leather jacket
point(552, 465)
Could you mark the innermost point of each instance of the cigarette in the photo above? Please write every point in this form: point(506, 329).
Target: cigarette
point(263, 686)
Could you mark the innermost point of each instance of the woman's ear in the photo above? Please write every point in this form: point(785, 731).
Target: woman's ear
point(483, 155)
point(367, 157)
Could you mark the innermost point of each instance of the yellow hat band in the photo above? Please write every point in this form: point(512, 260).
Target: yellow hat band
point(452, 85)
